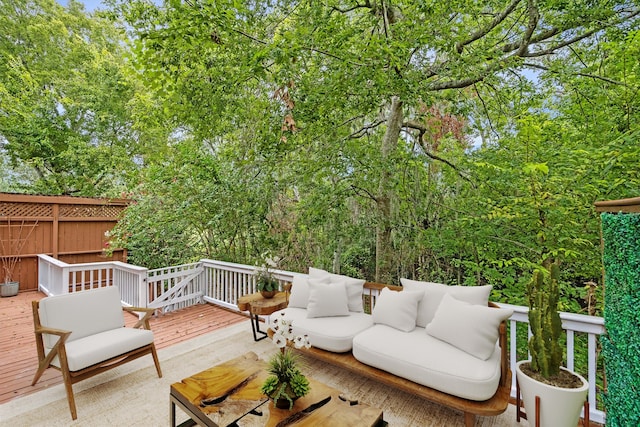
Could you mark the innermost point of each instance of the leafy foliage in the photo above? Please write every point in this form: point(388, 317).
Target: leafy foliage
point(64, 95)
point(430, 140)
point(286, 380)
point(621, 234)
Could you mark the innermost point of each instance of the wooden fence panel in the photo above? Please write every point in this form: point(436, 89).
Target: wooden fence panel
point(71, 229)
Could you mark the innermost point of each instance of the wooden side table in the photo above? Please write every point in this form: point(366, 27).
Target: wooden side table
point(257, 305)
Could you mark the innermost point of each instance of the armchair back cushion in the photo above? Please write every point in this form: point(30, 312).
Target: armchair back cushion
point(83, 313)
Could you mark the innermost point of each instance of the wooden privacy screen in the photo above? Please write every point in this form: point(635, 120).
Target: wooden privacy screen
point(71, 229)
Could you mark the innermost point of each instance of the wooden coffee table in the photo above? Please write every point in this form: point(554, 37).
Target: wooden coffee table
point(228, 395)
point(257, 305)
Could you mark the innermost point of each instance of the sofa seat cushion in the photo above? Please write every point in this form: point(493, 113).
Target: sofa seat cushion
point(87, 351)
point(327, 333)
point(428, 361)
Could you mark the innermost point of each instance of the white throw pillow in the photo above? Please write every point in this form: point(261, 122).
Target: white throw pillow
point(354, 286)
point(397, 309)
point(327, 300)
point(354, 291)
point(299, 296)
point(433, 293)
point(317, 273)
point(471, 328)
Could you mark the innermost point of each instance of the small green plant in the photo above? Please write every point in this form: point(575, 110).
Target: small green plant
point(286, 380)
point(544, 320)
point(265, 282)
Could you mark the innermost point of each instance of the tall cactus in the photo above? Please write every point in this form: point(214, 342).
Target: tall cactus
point(545, 323)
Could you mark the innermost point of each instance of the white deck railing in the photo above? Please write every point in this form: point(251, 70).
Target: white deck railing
point(56, 277)
point(222, 283)
point(225, 282)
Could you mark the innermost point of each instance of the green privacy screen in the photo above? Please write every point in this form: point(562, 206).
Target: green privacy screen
point(621, 345)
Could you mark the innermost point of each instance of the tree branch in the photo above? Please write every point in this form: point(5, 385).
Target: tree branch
point(413, 124)
point(462, 83)
point(366, 4)
point(520, 49)
point(534, 16)
point(249, 36)
point(360, 190)
point(592, 76)
point(545, 35)
point(486, 110)
point(362, 132)
point(322, 52)
point(484, 31)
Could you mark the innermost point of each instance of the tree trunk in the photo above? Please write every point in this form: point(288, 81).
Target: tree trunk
point(384, 249)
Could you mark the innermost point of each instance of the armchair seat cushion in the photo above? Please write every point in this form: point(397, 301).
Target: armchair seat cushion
point(93, 349)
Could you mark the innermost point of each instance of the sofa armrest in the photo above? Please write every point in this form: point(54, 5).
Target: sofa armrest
point(144, 321)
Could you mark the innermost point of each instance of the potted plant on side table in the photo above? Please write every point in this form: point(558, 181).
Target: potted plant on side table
point(561, 393)
point(266, 284)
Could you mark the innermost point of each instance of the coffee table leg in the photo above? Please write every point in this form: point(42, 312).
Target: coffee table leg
point(255, 328)
point(172, 413)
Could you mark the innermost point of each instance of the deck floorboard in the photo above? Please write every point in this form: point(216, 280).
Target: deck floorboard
point(19, 360)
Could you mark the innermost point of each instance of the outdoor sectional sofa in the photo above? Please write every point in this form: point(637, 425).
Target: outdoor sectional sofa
point(444, 343)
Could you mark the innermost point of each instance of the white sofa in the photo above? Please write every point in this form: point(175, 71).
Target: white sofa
point(437, 336)
point(82, 334)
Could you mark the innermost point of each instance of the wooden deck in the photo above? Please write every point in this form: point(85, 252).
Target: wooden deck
point(18, 358)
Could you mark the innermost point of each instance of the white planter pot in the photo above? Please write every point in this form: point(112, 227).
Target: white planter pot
point(9, 289)
point(559, 407)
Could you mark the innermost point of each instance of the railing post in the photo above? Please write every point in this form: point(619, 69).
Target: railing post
point(143, 289)
point(592, 370)
point(64, 283)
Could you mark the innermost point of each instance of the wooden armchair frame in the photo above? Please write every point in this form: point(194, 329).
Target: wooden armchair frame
point(59, 349)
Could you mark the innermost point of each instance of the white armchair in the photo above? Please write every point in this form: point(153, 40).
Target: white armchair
point(82, 334)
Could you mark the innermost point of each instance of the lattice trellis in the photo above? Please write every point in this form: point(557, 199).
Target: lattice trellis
point(40, 210)
point(78, 211)
point(25, 210)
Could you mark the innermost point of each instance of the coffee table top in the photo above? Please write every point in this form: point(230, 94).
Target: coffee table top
point(229, 394)
point(257, 304)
